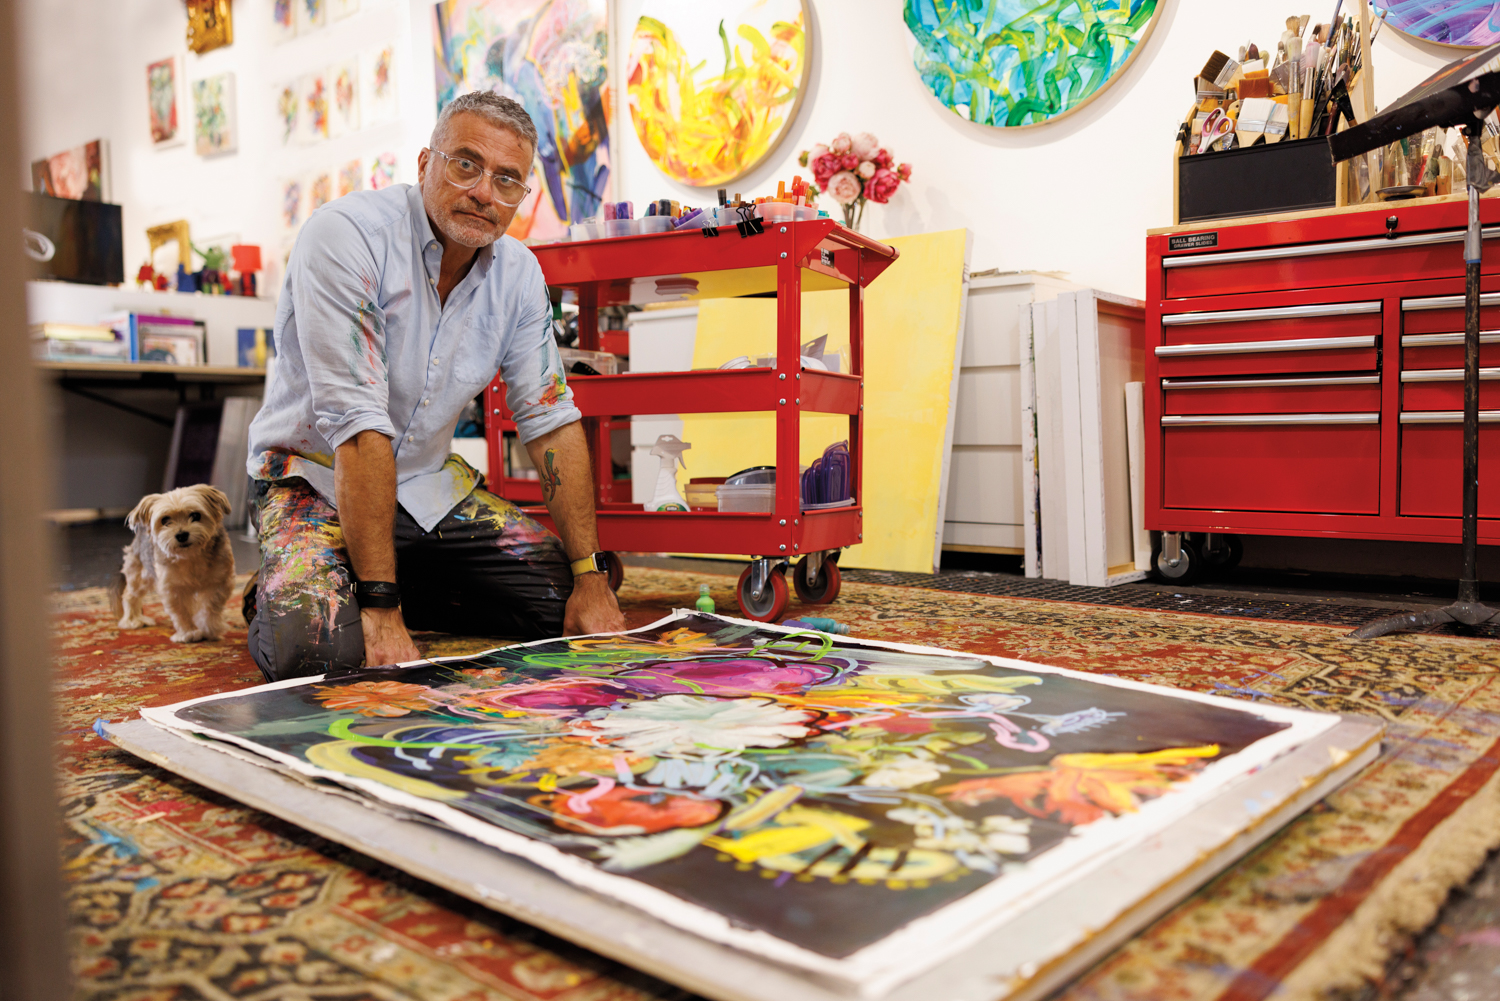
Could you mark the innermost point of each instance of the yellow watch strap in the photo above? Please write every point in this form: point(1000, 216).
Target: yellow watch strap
point(586, 565)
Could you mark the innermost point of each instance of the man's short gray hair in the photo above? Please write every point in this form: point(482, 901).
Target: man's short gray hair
point(494, 108)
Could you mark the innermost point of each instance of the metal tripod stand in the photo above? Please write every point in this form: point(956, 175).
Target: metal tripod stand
point(1467, 610)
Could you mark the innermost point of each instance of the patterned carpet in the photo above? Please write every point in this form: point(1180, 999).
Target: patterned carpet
point(178, 893)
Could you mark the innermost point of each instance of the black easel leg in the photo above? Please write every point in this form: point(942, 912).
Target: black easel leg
point(1466, 610)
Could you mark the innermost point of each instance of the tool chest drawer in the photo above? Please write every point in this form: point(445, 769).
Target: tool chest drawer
point(1322, 337)
point(1432, 445)
point(1432, 331)
point(1322, 265)
point(1273, 462)
point(1286, 395)
point(1443, 389)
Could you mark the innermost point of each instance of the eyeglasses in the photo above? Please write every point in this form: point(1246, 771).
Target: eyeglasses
point(465, 173)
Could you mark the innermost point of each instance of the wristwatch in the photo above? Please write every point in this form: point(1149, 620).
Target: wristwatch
point(592, 563)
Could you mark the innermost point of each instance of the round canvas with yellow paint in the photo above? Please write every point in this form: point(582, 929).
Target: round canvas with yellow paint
point(712, 86)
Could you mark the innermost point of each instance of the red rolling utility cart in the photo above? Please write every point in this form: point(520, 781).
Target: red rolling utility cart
point(1304, 376)
point(787, 259)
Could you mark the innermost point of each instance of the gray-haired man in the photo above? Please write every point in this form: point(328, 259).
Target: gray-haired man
point(399, 307)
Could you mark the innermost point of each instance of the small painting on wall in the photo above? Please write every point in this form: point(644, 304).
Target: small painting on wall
point(377, 86)
point(284, 19)
point(1460, 23)
point(343, 98)
point(350, 179)
point(382, 170)
point(214, 127)
point(163, 89)
point(291, 203)
point(80, 173)
point(312, 91)
point(553, 57)
point(288, 112)
point(1015, 63)
point(712, 87)
point(311, 14)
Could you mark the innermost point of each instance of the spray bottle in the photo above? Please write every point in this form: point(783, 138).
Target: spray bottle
point(669, 449)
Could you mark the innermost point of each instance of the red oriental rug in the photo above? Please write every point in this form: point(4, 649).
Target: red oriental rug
point(178, 893)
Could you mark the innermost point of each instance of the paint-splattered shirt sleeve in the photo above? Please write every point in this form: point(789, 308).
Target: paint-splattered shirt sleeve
point(536, 388)
point(335, 283)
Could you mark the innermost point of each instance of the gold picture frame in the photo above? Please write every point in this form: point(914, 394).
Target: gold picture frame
point(210, 25)
point(157, 236)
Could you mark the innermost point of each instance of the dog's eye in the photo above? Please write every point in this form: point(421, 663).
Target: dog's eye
point(195, 516)
point(166, 520)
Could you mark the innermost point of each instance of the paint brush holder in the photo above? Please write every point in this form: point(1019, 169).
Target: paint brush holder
point(1257, 180)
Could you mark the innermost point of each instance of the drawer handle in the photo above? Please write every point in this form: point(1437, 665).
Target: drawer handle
point(1256, 347)
point(1314, 249)
point(1446, 340)
point(1445, 374)
point(1277, 313)
point(1241, 419)
point(1446, 417)
point(1446, 302)
point(1312, 380)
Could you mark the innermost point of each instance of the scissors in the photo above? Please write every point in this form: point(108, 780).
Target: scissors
point(1217, 126)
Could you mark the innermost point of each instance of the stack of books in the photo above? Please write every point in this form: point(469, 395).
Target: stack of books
point(78, 342)
point(168, 340)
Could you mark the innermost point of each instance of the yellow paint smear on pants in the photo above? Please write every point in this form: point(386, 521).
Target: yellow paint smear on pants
point(912, 316)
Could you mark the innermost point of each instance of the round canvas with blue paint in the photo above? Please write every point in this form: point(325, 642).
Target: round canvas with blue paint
point(1013, 63)
point(1466, 23)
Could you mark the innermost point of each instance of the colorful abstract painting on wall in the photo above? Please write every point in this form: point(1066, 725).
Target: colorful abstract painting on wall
point(553, 57)
point(1468, 23)
point(825, 792)
point(712, 87)
point(1012, 63)
point(214, 126)
point(161, 92)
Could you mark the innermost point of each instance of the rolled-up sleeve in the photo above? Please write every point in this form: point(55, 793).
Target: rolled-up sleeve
point(335, 286)
point(536, 388)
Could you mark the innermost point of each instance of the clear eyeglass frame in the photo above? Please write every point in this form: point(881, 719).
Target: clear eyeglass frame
point(465, 173)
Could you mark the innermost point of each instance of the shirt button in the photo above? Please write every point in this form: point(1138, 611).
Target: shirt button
point(411, 437)
point(425, 402)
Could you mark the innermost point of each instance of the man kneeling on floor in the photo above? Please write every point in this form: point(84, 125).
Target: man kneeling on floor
point(399, 307)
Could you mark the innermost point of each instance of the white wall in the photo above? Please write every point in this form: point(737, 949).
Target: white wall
point(1075, 195)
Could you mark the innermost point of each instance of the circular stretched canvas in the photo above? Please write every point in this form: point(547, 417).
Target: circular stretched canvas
point(1014, 63)
point(1466, 23)
point(712, 86)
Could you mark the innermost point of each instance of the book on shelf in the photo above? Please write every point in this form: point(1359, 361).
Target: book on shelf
point(65, 349)
point(73, 332)
point(162, 339)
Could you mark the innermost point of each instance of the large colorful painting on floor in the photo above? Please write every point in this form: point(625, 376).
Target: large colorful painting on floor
point(553, 57)
point(792, 793)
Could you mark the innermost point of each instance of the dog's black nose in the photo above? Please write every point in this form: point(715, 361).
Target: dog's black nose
point(183, 537)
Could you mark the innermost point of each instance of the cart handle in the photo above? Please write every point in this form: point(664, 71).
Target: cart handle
point(850, 238)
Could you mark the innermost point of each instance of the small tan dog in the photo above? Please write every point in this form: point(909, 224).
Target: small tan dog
point(180, 547)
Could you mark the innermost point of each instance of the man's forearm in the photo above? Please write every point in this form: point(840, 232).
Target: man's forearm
point(561, 458)
point(364, 478)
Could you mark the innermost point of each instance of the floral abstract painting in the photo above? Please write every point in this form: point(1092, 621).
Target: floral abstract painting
point(343, 98)
point(382, 170)
point(804, 796)
point(553, 57)
point(1012, 63)
point(377, 81)
point(288, 112)
point(1468, 23)
point(712, 87)
point(214, 125)
point(162, 88)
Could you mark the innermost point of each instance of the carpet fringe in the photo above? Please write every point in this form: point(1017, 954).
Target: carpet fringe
point(1405, 903)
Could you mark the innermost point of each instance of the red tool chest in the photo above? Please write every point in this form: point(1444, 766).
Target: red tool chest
point(1304, 374)
point(785, 260)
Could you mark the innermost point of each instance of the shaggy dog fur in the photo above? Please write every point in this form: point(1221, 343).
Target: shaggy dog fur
point(182, 550)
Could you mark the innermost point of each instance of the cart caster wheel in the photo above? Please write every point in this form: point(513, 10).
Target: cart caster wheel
point(772, 601)
point(1187, 570)
point(1227, 556)
point(616, 574)
point(820, 591)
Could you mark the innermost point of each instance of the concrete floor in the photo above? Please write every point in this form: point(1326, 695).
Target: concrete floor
point(1457, 959)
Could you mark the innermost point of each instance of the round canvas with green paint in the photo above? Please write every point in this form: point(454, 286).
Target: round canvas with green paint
point(1464, 23)
point(1013, 63)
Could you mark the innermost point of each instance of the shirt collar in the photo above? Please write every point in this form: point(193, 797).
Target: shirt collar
point(427, 242)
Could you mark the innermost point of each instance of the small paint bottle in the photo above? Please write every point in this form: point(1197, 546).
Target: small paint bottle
point(705, 602)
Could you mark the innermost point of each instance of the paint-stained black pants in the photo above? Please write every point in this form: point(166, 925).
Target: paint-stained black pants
point(486, 570)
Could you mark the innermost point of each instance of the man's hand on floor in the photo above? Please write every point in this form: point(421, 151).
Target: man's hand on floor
point(592, 607)
point(386, 638)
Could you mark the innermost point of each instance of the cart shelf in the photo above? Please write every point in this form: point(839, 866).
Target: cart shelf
point(786, 260)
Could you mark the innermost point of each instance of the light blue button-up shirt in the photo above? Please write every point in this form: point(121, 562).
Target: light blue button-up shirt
point(362, 344)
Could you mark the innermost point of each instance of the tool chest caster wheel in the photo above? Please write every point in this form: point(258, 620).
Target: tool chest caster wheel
point(1223, 552)
point(1188, 569)
point(616, 574)
point(773, 596)
point(817, 581)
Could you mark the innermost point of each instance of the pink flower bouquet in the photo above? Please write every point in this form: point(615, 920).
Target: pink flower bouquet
point(853, 170)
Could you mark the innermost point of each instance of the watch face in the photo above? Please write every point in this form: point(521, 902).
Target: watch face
point(600, 563)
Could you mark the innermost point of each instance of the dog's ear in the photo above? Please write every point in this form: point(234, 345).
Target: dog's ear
point(140, 516)
point(214, 498)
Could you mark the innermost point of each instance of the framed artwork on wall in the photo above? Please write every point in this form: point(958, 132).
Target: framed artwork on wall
point(351, 178)
point(382, 170)
point(343, 98)
point(310, 14)
point(712, 87)
point(1467, 24)
point(288, 112)
point(164, 101)
point(80, 173)
point(284, 19)
point(215, 128)
point(1018, 63)
point(312, 92)
point(210, 25)
point(377, 86)
point(553, 57)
